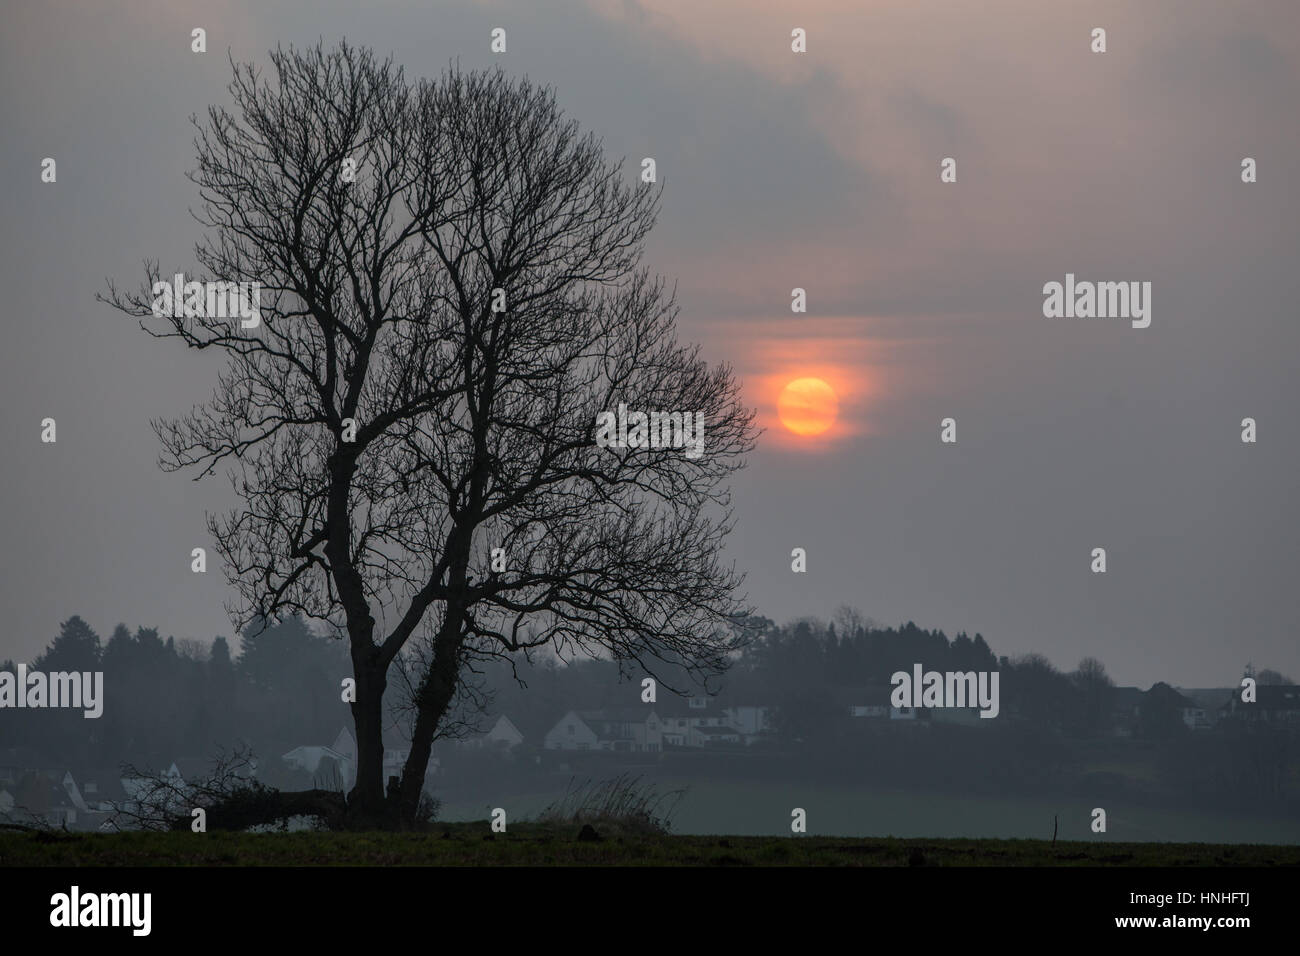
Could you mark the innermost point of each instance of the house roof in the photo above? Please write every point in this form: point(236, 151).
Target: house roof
point(564, 716)
point(310, 758)
point(345, 743)
point(502, 725)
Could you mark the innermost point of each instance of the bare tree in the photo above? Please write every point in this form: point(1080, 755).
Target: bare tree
point(193, 650)
point(449, 268)
point(850, 620)
point(1097, 692)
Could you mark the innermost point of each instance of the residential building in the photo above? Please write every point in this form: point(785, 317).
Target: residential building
point(571, 733)
point(627, 730)
point(339, 758)
point(503, 736)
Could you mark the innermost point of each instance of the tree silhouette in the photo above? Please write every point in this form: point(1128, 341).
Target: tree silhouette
point(1269, 677)
point(1097, 694)
point(467, 295)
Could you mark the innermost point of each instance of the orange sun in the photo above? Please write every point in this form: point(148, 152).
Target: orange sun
point(807, 406)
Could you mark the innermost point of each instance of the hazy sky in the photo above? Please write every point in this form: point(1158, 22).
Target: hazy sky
point(816, 170)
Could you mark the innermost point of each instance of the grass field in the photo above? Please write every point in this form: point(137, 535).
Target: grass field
point(739, 808)
point(532, 844)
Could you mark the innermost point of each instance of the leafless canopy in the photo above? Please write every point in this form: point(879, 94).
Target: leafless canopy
point(475, 427)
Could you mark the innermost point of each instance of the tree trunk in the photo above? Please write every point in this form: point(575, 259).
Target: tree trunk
point(366, 802)
point(431, 706)
point(439, 685)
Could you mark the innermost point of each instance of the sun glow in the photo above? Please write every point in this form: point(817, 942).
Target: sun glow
point(807, 406)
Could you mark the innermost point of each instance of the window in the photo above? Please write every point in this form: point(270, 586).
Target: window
point(572, 730)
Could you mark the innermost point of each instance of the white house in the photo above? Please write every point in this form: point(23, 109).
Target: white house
point(749, 721)
point(342, 753)
point(690, 722)
point(346, 745)
point(571, 733)
point(503, 735)
point(631, 730)
point(310, 758)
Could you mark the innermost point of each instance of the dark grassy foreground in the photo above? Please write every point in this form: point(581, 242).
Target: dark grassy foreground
point(533, 844)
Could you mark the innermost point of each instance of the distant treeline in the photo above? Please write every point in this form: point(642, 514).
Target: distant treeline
point(166, 699)
point(809, 668)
